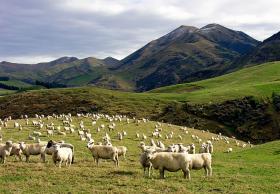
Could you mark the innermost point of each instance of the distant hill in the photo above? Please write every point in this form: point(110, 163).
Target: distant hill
point(186, 54)
point(267, 51)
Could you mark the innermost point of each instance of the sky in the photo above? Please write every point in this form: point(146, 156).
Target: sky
point(34, 31)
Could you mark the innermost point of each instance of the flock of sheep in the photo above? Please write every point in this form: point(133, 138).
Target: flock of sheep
point(172, 158)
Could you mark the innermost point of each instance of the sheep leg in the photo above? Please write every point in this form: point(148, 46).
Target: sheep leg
point(150, 171)
point(161, 172)
point(188, 174)
point(206, 171)
point(209, 170)
point(97, 161)
point(60, 162)
point(43, 157)
point(27, 158)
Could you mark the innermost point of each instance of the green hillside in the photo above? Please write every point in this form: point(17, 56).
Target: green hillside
point(16, 83)
point(259, 81)
point(245, 170)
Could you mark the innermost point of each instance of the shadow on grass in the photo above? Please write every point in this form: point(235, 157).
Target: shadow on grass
point(277, 152)
point(124, 173)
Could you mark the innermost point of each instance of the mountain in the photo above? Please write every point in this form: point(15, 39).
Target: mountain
point(185, 54)
point(111, 62)
point(267, 51)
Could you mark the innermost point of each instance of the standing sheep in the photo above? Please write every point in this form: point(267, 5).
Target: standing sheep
point(5, 150)
point(33, 149)
point(62, 154)
point(103, 152)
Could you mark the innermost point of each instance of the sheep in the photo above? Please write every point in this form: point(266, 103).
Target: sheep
point(16, 151)
point(180, 161)
point(169, 161)
point(61, 133)
point(5, 150)
point(146, 164)
point(103, 152)
point(229, 150)
point(122, 151)
point(120, 136)
point(62, 154)
point(33, 149)
point(50, 132)
point(192, 149)
point(37, 133)
point(51, 143)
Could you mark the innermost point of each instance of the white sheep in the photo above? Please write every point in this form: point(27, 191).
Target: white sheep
point(180, 161)
point(5, 150)
point(103, 152)
point(229, 150)
point(16, 151)
point(122, 151)
point(169, 161)
point(62, 154)
point(33, 149)
point(146, 164)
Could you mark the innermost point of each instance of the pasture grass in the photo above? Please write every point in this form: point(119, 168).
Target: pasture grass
point(246, 170)
point(259, 81)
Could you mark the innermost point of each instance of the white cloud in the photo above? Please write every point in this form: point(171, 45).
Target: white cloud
point(49, 28)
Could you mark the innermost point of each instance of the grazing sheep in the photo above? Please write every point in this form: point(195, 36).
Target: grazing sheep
point(62, 154)
point(103, 152)
point(37, 133)
point(51, 143)
point(170, 161)
point(61, 133)
point(180, 161)
point(33, 149)
point(192, 149)
point(229, 150)
point(5, 150)
point(50, 132)
point(146, 164)
point(122, 151)
point(16, 151)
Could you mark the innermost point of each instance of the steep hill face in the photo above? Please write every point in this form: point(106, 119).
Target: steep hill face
point(267, 51)
point(186, 54)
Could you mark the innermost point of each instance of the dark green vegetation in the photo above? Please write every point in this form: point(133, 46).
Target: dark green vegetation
point(246, 170)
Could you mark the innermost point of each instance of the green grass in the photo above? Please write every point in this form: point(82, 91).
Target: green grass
point(259, 81)
point(246, 170)
point(4, 92)
point(16, 83)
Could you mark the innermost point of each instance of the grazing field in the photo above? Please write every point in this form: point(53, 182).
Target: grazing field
point(4, 92)
point(16, 83)
point(259, 81)
point(245, 170)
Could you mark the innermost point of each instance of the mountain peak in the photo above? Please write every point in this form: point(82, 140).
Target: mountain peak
point(273, 38)
point(64, 59)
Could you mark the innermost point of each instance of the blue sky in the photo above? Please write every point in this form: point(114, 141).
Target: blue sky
point(42, 30)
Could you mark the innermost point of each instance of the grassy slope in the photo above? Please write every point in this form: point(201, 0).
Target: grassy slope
point(242, 171)
point(4, 92)
point(16, 83)
point(259, 81)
